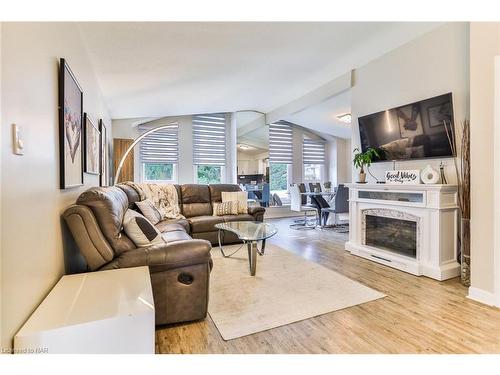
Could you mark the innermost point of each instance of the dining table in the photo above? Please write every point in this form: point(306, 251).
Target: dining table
point(316, 193)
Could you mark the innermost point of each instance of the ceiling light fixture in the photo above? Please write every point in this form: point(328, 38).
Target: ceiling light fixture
point(345, 117)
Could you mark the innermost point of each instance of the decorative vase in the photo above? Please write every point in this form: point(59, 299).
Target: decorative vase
point(465, 251)
point(443, 175)
point(429, 175)
point(362, 177)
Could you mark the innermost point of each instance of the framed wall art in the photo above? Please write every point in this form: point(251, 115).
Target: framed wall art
point(70, 128)
point(92, 146)
point(104, 155)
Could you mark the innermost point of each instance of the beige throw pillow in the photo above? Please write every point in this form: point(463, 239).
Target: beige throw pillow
point(226, 208)
point(240, 196)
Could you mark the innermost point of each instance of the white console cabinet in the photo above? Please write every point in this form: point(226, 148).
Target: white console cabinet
point(98, 312)
point(409, 227)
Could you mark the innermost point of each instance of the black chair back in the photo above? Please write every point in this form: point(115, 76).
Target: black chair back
point(313, 186)
point(319, 202)
point(342, 199)
point(302, 189)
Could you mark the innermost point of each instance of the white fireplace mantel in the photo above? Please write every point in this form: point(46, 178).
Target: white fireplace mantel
point(432, 207)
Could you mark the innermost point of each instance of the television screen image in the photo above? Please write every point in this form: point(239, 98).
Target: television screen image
point(413, 131)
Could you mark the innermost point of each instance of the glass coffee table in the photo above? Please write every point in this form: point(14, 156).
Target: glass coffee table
point(250, 232)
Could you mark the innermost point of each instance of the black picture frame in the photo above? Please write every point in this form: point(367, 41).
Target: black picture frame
point(104, 154)
point(70, 128)
point(92, 145)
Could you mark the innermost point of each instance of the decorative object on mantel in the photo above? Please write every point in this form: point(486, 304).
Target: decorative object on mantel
point(463, 181)
point(443, 175)
point(364, 159)
point(403, 177)
point(429, 175)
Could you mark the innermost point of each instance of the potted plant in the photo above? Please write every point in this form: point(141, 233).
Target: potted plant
point(362, 159)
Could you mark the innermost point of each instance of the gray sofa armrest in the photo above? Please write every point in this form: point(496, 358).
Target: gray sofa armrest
point(163, 257)
point(257, 212)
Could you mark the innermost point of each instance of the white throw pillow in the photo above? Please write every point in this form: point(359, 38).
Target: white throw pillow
point(140, 230)
point(240, 196)
point(149, 210)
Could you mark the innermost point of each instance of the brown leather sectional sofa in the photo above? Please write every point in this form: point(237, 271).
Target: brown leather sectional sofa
point(180, 268)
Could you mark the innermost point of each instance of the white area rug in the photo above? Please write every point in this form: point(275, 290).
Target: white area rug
point(286, 288)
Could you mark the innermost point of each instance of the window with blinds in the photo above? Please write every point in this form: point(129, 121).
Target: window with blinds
point(209, 139)
point(161, 146)
point(280, 143)
point(313, 151)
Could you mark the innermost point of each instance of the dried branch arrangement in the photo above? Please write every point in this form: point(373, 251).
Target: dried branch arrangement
point(463, 181)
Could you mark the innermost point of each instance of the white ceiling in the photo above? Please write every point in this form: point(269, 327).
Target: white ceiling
point(322, 117)
point(167, 68)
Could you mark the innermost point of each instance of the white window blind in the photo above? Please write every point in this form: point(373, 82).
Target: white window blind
point(280, 143)
point(161, 146)
point(209, 139)
point(313, 151)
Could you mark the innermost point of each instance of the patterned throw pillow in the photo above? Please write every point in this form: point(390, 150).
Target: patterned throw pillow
point(149, 210)
point(240, 196)
point(226, 208)
point(140, 230)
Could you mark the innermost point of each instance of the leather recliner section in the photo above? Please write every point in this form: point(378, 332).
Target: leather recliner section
point(179, 268)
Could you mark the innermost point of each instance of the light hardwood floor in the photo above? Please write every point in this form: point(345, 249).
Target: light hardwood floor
point(419, 315)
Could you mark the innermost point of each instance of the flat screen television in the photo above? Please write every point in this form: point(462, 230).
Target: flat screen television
point(412, 131)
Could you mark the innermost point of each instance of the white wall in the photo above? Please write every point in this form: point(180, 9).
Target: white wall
point(33, 257)
point(123, 128)
point(1, 147)
point(484, 46)
point(339, 161)
point(344, 161)
point(433, 64)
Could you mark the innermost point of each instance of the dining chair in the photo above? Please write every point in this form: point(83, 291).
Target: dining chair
point(302, 189)
point(323, 208)
point(265, 194)
point(341, 204)
point(297, 206)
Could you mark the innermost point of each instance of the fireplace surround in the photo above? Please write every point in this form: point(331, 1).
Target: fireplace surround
point(409, 227)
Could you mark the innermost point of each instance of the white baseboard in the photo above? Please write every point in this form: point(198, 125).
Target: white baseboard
point(482, 296)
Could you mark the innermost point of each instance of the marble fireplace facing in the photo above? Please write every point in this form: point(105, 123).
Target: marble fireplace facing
point(409, 227)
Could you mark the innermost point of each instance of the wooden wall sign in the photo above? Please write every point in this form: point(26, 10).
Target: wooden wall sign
point(403, 177)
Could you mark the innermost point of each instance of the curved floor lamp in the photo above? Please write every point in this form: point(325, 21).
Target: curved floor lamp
point(131, 147)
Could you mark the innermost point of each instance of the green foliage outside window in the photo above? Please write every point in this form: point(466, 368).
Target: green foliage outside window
point(278, 176)
point(208, 174)
point(158, 171)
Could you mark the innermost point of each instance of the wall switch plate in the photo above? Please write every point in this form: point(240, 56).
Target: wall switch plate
point(17, 140)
